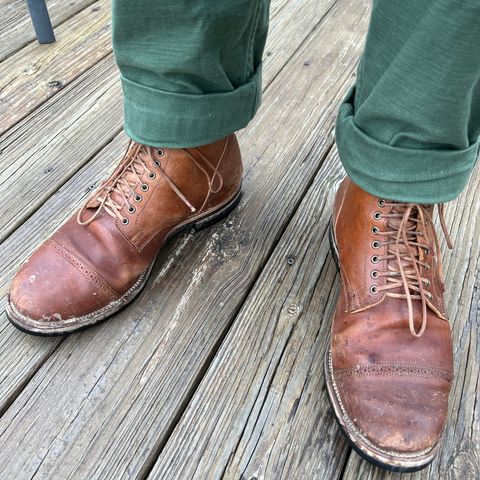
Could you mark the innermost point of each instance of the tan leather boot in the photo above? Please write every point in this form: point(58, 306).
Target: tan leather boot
point(100, 259)
point(389, 368)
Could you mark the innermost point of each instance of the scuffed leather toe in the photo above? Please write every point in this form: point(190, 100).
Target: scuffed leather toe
point(49, 288)
point(406, 417)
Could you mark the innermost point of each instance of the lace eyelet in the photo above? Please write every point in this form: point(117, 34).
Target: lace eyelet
point(124, 221)
point(428, 283)
point(427, 267)
point(427, 251)
point(375, 230)
point(160, 152)
point(376, 244)
point(131, 209)
point(374, 274)
point(373, 290)
point(375, 259)
point(152, 175)
point(144, 187)
point(381, 202)
point(157, 163)
point(138, 198)
point(377, 215)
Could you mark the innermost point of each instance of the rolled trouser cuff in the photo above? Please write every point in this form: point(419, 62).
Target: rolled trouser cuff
point(175, 120)
point(423, 175)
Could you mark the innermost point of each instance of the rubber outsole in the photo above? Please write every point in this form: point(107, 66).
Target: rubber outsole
point(19, 321)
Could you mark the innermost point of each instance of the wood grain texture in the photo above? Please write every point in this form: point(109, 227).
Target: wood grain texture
point(37, 72)
point(459, 456)
point(42, 151)
point(21, 355)
point(106, 400)
point(216, 371)
point(59, 137)
point(261, 411)
point(16, 29)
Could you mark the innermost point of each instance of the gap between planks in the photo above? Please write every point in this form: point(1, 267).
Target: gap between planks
point(319, 87)
point(70, 123)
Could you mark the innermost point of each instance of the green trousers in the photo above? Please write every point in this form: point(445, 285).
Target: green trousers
point(409, 130)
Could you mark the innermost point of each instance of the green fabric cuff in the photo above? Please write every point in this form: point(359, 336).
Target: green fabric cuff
point(174, 120)
point(407, 175)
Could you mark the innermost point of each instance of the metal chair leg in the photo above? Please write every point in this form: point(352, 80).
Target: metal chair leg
point(41, 21)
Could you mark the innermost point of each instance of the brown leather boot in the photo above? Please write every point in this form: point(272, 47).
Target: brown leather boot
point(100, 259)
point(389, 368)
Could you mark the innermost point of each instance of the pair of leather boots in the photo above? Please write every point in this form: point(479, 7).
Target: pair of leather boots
point(389, 366)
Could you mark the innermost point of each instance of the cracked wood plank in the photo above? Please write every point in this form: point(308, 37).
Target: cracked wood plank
point(35, 73)
point(16, 29)
point(60, 136)
point(22, 355)
point(459, 455)
point(105, 402)
point(261, 411)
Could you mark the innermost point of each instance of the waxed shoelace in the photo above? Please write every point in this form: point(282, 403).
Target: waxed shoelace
point(128, 178)
point(405, 238)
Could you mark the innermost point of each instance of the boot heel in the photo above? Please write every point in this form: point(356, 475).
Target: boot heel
point(333, 245)
point(219, 214)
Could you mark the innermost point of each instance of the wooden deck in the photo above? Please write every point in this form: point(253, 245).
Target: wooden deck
point(216, 370)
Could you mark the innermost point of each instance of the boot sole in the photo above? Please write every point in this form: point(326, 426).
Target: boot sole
point(76, 324)
point(391, 461)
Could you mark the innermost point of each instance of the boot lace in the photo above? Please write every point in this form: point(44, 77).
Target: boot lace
point(408, 244)
point(121, 187)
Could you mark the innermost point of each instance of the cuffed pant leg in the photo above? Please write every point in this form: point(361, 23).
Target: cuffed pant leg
point(190, 69)
point(409, 130)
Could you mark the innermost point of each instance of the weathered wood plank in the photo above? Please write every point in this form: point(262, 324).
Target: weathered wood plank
point(75, 123)
point(293, 21)
point(36, 73)
point(16, 29)
point(106, 400)
point(249, 371)
point(459, 456)
point(261, 411)
point(41, 152)
point(22, 355)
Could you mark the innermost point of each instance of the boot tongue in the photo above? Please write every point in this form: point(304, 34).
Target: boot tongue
point(405, 250)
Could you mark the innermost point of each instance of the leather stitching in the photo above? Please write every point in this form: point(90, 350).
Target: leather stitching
point(393, 369)
point(357, 431)
point(99, 283)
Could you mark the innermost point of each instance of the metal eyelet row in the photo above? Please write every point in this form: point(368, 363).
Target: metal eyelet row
point(144, 187)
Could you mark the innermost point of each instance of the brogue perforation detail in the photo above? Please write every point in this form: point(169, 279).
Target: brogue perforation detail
point(354, 427)
point(89, 273)
point(393, 369)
